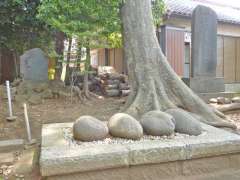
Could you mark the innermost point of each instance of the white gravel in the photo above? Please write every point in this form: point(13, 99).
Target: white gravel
point(68, 135)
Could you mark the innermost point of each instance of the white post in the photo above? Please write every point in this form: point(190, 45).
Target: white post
point(9, 99)
point(27, 123)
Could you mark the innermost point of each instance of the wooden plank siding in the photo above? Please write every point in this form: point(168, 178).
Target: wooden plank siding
point(238, 60)
point(228, 58)
point(219, 69)
point(175, 49)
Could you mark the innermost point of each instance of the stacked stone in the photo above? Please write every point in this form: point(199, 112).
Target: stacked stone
point(115, 85)
point(223, 100)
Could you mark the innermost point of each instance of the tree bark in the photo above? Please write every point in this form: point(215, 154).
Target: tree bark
point(59, 48)
point(154, 84)
point(0, 65)
point(86, 72)
point(68, 72)
point(79, 55)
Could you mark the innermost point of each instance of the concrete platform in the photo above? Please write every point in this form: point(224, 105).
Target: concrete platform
point(215, 154)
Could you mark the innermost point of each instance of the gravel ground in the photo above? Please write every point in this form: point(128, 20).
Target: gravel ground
point(68, 135)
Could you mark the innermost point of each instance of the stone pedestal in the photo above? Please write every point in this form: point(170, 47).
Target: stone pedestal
point(34, 65)
point(213, 155)
point(205, 84)
point(204, 52)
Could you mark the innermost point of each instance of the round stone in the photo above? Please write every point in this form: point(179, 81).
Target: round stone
point(213, 100)
point(185, 123)
point(221, 100)
point(236, 99)
point(88, 128)
point(157, 123)
point(125, 126)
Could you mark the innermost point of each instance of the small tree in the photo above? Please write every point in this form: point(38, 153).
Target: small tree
point(21, 30)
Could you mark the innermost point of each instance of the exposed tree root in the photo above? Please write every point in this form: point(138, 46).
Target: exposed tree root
point(154, 84)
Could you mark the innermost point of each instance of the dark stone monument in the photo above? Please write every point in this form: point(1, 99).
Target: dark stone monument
point(34, 65)
point(204, 52)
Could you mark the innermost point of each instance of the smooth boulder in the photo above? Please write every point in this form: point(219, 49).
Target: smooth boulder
point(185, 123)
point(88, 128)
point(236, 99)
point(125, 126)
point(157, 123)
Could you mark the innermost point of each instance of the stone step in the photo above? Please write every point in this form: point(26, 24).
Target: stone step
point(14, 144)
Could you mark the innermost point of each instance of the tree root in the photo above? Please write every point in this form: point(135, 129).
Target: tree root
point(154, 84)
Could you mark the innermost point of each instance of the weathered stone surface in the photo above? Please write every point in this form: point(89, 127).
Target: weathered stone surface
point(88, 128)
point(62, 161)
point(157, 123)
point(34, 65)
point(236, 99)
point(221, 100)
point(213, 100)
point(125, 126)
point(113, 92)
point(204, 42)
point(205, 165)
point(67, 160)
point(228, 101)
point(155, 152)
point(52, 135)
point(26, 163)
point(185, 123)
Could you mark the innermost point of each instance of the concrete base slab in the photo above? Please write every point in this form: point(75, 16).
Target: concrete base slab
point(26, 162)
point(215, 150)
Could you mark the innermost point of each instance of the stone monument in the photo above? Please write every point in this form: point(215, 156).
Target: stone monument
point(34, 65)
point(204, 52)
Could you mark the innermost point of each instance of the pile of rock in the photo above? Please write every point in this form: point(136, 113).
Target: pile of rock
point(121, 125)
point(225, 104)
point(223, 100)
point(35, 92)
point(115, 84)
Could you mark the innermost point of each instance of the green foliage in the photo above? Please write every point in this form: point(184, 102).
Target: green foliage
point(158, 8)
point(93, 20)
point(19, 27)
point(96, 22)
point(115, 40)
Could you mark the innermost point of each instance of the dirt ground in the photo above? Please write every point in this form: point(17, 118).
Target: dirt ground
point(58, 111)
point(51, 111)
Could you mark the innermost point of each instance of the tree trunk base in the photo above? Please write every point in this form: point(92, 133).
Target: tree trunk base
point(154, 84)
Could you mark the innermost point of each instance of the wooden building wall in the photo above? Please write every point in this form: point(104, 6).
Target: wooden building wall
point(229, 58)
point(7, 66)
point(172, 44)
point(111, 57)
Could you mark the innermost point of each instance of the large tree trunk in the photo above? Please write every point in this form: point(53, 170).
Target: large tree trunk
point(59, 48)
point(86, 72)
point(79, 54)
point(68, 71)
point(155, 85)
